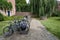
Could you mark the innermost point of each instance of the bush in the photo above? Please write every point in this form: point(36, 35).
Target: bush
point(1, 17)
point(58, 13)
point(6, 18)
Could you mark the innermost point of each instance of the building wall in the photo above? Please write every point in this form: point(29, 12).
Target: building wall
point(13, 9)
point(58, 7)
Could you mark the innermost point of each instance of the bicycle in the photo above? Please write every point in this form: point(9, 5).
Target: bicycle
point(19, 25)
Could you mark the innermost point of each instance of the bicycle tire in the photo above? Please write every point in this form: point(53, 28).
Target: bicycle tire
point(9, 33)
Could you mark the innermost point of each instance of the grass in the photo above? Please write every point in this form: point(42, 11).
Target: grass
point(6, 22)
point(53, 25)
point(2, 25)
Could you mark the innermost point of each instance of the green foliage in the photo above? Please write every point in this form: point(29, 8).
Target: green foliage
point(1, 17)
point(19, 4)
point(22, 6)
point(4, 5)
point(34, 6)
point(26, 8)
point(6, 18)
point(57, 13)
point(9, 7)
point(43, 7)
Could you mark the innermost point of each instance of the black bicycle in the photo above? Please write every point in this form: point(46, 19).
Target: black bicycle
point(22, 26)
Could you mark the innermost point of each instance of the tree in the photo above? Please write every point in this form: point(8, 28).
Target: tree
point(4, 5)
point(19, 4)
point(9, 7)
point(43, 7)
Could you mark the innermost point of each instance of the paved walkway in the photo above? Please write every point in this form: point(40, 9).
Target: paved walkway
point(37, 32)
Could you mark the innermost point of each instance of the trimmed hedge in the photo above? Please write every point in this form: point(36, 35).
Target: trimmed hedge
point(6, 18)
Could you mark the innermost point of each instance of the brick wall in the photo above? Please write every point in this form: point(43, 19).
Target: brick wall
point(22, 13)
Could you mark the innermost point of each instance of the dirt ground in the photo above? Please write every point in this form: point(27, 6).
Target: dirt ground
point(37, 32)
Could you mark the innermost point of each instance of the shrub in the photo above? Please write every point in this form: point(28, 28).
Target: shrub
point(58, 13)
point(1, 17)
point(6, 18)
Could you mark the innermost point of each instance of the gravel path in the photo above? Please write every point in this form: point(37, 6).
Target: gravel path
point(37, 32)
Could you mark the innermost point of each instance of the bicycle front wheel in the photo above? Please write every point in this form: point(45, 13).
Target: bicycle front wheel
point(7, 31)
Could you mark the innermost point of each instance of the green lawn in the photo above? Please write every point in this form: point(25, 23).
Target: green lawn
point(2, 25)
point(6, 22)
point(53, 25)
